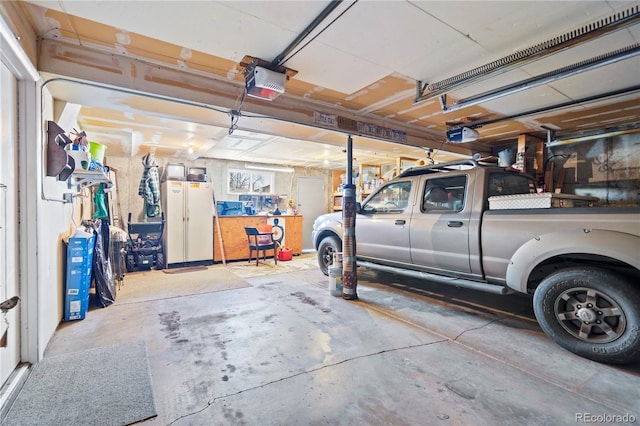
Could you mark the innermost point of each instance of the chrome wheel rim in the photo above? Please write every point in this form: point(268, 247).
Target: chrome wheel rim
point(590, 315)
point(327, 255)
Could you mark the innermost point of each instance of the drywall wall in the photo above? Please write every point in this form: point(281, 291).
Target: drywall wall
point(129, 173)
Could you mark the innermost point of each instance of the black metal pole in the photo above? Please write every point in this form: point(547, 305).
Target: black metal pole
point(349, 204)
point(327, 10)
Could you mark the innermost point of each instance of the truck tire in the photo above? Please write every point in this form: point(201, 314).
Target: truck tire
point(591, 312)
point(329, 245)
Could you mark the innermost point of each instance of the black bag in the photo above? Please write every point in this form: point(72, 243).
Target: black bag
point(101, 268)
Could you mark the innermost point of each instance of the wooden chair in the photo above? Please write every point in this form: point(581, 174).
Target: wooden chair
point(260, 241)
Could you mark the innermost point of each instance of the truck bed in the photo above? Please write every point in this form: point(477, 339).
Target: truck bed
point(505, 231)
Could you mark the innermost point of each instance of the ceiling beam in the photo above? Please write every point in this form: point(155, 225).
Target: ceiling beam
point(143, 77)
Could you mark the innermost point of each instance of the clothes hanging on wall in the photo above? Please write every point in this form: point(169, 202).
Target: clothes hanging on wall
point(99, 203)
point(149, 187)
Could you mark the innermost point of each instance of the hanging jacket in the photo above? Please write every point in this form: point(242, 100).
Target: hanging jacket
point(149, 187)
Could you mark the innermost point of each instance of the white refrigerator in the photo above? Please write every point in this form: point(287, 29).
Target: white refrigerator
point(188, 233)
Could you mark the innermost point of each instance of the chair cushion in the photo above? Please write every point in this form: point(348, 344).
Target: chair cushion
point(265, 239)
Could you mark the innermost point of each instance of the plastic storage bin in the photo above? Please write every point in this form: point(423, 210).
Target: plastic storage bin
point(97, 151)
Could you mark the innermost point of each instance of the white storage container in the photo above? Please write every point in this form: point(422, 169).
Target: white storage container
point(544, 200)
point(82, 159)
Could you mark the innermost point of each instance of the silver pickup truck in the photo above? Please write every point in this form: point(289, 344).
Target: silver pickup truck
point(580, 264)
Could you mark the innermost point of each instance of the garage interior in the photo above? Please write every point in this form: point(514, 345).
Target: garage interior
point(554, 87)
point(534, 95)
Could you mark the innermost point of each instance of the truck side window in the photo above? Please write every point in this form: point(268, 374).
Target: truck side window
point(444, 195)
point(502, 183)
point(391, 198)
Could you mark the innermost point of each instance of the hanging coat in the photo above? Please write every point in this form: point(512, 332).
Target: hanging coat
point(149, 187)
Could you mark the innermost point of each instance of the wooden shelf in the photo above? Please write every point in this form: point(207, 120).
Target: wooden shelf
point(401, 160)
point(365, 185)
point(86, 178)
point(374, 173)
point(58, 161)
point(337, 201)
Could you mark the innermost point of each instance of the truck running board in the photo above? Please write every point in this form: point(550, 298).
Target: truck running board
point(458, 282)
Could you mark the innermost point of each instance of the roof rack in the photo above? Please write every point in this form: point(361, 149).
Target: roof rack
point(444, 167)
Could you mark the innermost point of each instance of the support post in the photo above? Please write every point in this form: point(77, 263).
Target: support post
point(349, 267)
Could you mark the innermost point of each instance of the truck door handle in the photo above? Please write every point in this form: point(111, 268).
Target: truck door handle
point(400, 222)
point(454, 224)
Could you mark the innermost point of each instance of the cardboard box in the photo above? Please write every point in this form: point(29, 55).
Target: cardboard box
point(78, 278)
point(544, 200)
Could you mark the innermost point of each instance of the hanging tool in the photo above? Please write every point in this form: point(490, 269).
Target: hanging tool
point(218, 229)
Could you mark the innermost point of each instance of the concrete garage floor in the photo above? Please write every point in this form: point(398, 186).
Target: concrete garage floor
point(241, 344)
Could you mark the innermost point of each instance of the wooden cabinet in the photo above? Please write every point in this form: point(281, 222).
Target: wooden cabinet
point(234, 239)
point(293, 233)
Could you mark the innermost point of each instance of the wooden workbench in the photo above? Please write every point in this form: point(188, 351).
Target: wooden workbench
point(235, 240)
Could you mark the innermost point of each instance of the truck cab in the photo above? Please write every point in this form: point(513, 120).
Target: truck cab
point(426, 219)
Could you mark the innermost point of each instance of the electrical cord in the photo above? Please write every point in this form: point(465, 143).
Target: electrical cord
point(237, 113)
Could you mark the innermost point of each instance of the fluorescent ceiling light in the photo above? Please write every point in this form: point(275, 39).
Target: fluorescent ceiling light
point(270, 168)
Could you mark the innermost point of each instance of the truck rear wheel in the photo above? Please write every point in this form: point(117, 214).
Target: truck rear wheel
point(326, 248)
point(591, 312)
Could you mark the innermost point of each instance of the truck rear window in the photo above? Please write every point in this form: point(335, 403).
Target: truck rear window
point(503, 183)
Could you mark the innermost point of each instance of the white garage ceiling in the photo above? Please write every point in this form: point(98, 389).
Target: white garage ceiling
point(363, 61)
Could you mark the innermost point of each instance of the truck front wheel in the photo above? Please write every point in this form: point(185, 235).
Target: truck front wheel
point(591, 312)
point(327, 247)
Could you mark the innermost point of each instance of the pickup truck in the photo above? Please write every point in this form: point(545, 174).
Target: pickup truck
point(581, 265)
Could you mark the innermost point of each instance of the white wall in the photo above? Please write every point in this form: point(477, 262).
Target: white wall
point(129, 172)
point(43, 218)
point(54, 224)
point(9, 248)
